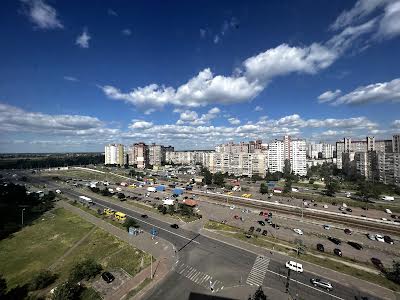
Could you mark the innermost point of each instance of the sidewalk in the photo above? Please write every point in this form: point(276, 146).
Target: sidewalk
point(369, 287)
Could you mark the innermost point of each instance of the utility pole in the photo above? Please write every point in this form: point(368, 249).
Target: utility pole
point(287, 281)
point(22, 217)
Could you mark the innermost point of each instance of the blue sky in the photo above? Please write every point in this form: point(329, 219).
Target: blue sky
point(77, 75)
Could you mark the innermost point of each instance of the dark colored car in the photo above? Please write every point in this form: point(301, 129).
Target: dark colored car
point(355, 245)
point(108, 277)
point(144, 216)
point(175, 226)
point(349, 209)
point(338, 252)
point(264, 232)
point(348, 231)
point(320, 247)
point(261, 223)
point(378, 264)
point(276, 226)
point(251, 229)
point(335, 240)
point(258, 229)
point(388, 239)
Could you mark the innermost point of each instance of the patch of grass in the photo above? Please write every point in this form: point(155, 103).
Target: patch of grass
point(89, 294)
point(220, 226)
point(38, 246)
point(137, 289)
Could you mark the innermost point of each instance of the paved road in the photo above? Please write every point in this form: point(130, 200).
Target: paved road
point(204, 261)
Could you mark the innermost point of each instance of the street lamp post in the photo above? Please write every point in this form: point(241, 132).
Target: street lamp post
point(22, 217)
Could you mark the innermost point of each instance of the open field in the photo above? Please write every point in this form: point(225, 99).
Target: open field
point(42, 244)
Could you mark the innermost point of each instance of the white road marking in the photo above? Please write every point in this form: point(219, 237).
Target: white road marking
point(257, 273)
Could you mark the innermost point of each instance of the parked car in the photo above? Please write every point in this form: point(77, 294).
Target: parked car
point(349, 209)
point(258, 230)
point(327, 227)
point(144, 216)
point(338, 252)
point(379, 238)
point(108, 277)
point(276, 226)
point(320, 247)
point(251, 229)
point(261, 223)
point(236, 217)
point(322, 284)
point(294, 266)
point(175, 226)
point(388, 239)
point(348, 231)
point(378, 264)
point(355, 245)
point(298, 231)
point(372, 237)
point(264, 232)
point(335, 240)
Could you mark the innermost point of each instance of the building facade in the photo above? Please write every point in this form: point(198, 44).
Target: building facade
point(114, 154)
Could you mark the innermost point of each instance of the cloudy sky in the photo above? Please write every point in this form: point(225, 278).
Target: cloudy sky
point(75, 76)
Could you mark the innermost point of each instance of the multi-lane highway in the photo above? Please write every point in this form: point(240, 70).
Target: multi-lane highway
point(206, 265)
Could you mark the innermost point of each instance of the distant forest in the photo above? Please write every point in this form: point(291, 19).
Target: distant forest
point(31, 161)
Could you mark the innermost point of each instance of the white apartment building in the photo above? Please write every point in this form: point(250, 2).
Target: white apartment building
point(297, 157)
point(156, 154)
point(276, 156)
point(114, 154)
point(320, 150)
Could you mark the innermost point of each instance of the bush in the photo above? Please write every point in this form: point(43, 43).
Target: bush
point(129, 222)
point(67, 291)
point(311, 181)
point(85, 270)
point(43, 279)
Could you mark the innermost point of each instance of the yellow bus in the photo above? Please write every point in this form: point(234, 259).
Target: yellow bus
point(108, 212)
point(120, 216)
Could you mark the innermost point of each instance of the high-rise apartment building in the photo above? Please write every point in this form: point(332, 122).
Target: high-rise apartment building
point(138, 155)
point(396, 143)
point(276, 156)
point(114, 154)
point(156, 155)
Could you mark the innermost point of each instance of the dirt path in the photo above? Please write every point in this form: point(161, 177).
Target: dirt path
point(61, 259)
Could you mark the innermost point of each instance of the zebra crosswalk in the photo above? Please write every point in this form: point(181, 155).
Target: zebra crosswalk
point(199, 278)
point(257, 273)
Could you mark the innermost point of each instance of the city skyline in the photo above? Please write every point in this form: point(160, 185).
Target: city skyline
point(196, 75)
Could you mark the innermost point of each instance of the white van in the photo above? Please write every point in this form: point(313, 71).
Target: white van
point(294, 266)
point(388, 211)
point(388, 198)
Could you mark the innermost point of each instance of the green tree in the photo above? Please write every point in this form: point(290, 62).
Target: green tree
point(67, 291)
point(129, 222)
point(256, 178)
point(288, 186)
point(332, 186)
point(42, 279)
point(311, 181)
point(258, 295)
point(218, 179)
point(367, 190)
point(287, 169)
point(3, 286)
point(263, 188)
point(85, 269)
point(207, 175)
point(394, 273)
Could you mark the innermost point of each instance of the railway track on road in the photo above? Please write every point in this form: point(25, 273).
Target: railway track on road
point(355, 223)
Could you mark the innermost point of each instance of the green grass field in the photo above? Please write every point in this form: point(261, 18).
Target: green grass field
point(40, 245)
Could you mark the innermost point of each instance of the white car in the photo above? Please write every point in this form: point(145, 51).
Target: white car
point(294, 266)
point(298, 231)
point(327, 227)
point(379, 238)
point(372, 237)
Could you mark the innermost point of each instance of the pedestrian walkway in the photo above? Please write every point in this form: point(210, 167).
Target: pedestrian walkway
point(199, 278)
point(257, 273)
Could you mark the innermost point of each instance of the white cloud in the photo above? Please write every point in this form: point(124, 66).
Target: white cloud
point(216, 39)
point(141, 125)
point(328, 96)
point(41, 14)
point(214, 111)
point(373, 93)
point(258, 108)
point(234, 121)
point(389, 25)
point(70, 78)
point(396, 124)
point(193, 118)
point(112, 12)
point(188, 116)
point(202, 90)
point(126, 32)
point(203, 33)
point(361, 9)
point(83, 39)
point(14, 119)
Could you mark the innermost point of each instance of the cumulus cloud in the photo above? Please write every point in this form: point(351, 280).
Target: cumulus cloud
point(329, 96)
point(70, 78)
point(41, 14)
point(396, 124)
point(83, 39)
point(193, 118)
point(126, 32)
point(373, 93)
point(188, 116)
point(234, 121)
point(112, 12)
point(389, 25)
point(258, 108)
point(203, 33)
point(201, 90)
point(141, 125)
point(14, 119)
